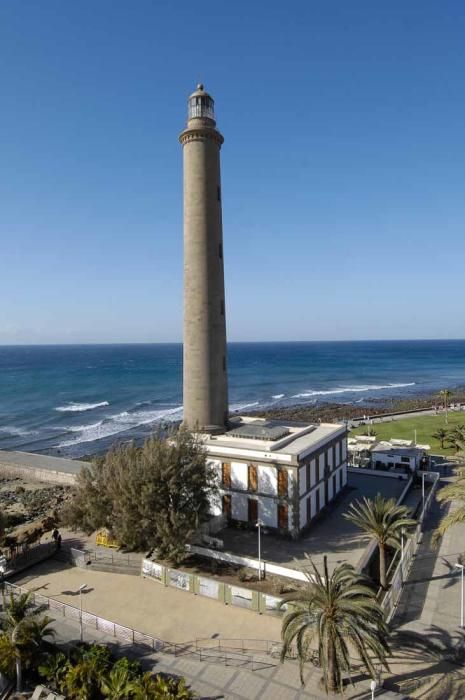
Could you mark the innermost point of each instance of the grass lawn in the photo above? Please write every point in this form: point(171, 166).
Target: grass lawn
point(424, 425)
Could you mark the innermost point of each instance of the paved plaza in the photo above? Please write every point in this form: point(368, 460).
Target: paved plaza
point(227, 678)
point(147, 606)
point(333, 535)
point(429, 661)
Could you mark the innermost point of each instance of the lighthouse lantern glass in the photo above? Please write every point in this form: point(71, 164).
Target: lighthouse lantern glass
point(201, 106)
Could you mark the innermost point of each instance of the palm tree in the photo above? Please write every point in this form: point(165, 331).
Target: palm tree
point(456, 437)
point(441, 435)
point(23, 630)
point(172, 688)
point(339, 614)
point(144, 688)
point(87, 672)
point(118, 684)
point(83, 680)
point(454, 491)
point(445, 395)
point(54, 669)
point(384, 521)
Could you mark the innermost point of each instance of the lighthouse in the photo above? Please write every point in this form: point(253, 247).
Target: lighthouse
point(205, 383)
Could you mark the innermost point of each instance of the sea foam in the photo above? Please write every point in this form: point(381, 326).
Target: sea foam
point(16, 431)
point(119, 423)
point(80, 407)
point(350, 390)
point(235, 407)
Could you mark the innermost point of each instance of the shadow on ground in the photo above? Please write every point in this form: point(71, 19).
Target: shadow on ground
point(430, 665)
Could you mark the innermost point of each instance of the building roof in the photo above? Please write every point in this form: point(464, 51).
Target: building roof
point(395, 447)
point(271, 440)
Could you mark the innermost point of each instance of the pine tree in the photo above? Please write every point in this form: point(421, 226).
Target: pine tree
point(149, 497)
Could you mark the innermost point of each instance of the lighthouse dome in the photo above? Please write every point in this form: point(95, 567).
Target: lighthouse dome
point(201, 104)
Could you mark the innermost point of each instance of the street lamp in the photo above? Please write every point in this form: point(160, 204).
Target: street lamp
point(81, 588)
point(373, 686)
point(423, 474)
point(259, 525)
point(402, 554)
point(461, 567)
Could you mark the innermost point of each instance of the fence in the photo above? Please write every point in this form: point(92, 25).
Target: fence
point(211, 588)
point(125, 634)
point(401, 567)
point(83, 557)
point(230, 652)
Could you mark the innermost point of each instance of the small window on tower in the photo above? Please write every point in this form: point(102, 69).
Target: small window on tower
point(220, 251)
point(222, 307)
point(224, 363)
point(218, 190)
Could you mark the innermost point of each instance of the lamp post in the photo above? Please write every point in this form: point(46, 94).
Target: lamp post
point(423, 496)
point(461, 567)
point(259, 526)
point(402, 554)
point(81, 588)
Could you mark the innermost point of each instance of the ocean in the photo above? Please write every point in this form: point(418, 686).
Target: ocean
point(78, 400)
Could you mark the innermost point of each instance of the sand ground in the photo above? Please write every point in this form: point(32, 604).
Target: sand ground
point(147, 606)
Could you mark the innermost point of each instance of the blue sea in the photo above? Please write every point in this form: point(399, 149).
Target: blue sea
point(77, 400)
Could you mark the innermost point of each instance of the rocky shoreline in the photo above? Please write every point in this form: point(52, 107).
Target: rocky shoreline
point(337, 412)
point(334, 412)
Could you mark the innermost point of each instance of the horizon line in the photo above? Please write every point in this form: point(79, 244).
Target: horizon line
point(233, 342)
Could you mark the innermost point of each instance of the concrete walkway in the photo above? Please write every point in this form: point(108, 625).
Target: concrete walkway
point(430, 646)
point(176, 616)
point(274, 681)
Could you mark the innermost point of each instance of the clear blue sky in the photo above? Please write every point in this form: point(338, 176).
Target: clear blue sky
point(343, 166)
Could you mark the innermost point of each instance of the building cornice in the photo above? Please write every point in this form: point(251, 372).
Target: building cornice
point(200, 134)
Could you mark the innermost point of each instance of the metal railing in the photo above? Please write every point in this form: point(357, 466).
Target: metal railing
point(124, 634)
point(391, 597)
point(229, 652)
point(82, 557)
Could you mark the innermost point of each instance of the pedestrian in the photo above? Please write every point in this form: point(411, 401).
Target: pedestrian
point(59, 541)
point(55, 534)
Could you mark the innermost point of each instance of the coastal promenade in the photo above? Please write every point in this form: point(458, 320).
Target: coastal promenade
point(35, 467)
point(230, 676)
point(429, 661)
point(388, 417)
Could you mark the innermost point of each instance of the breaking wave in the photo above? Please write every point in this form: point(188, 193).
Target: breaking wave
point(80, 407)
point(351, 390)
point(278, 396)
point(235, 407)
point(16, 432)
point(119, 423)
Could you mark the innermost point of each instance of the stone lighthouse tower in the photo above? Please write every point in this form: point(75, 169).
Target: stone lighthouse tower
point(205, 365)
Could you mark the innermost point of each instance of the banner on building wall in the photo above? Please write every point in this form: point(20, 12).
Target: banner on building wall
point(241, 597)
point(208, 587)
point(152, 569)
point(178, 579)
point(272, 604)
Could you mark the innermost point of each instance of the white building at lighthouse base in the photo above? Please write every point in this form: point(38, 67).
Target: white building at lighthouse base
point(284, 474)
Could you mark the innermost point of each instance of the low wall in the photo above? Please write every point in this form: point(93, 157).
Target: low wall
point(30, 557)
point(111, 562)
point(38, 467)
point(247, 598)
point(377, 472)
point(44, 475)
point(266, 567)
